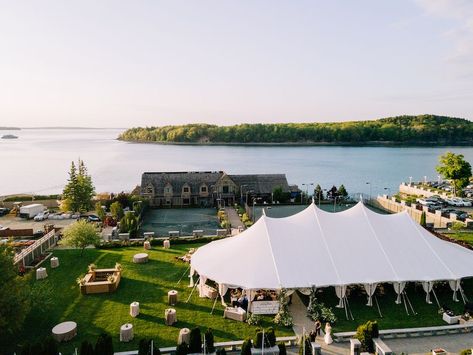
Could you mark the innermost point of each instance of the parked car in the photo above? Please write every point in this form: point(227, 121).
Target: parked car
point(454, 202)
point(4, 211)
point(41, 216)
point(93, 218)
point(466, 203)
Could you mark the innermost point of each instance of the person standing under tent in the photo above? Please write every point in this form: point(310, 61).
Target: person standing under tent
point(318, 327)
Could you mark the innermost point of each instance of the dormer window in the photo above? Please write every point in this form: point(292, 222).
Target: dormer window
point(149, 189)
point(203, 189)
point(185, 189)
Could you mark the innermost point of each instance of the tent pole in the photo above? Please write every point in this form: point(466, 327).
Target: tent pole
point(345, 306)
point(185, 272)
point(462, 293)
point(410, 304)
point(216, 298)
point(377, 305)
point(436, 299)
point(404, 301)
point(349, 308)
point(195, 286)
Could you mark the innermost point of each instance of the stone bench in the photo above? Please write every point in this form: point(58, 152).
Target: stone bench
point(381, 347)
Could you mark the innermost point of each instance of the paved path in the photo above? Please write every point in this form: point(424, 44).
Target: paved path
point(453, 343)
point(299, 315)
point(233, 217)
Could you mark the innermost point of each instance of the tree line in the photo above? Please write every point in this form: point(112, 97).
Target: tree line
point(401, 129)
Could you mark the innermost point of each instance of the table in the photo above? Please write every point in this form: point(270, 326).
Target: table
point(147, 245)
point(166, 244)
point(172, 297)
point(235, 313)
point(54, 262)
point(184, 336)
point(134, 309)
point(170, 316)
point(140, 258)
point(450, 319)
point(126, 332)
point(209, 292)
point(65, 331)
point(41, 273)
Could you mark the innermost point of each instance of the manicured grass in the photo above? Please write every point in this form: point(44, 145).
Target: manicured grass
point(394, 315)
point(145, 283)
point(463, 236)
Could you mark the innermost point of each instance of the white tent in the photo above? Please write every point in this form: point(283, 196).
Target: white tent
point(315, 248)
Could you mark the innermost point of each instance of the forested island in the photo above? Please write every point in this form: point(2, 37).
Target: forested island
point(401, 130)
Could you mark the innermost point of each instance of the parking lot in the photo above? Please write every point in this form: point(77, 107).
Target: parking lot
point(21, 223)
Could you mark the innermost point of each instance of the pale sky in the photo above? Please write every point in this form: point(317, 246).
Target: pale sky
point(128, 63)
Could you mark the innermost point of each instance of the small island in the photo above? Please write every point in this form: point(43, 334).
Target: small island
point(400, 130)
point(9, 136)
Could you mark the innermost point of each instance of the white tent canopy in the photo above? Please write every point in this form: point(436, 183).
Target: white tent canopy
point(318, 248)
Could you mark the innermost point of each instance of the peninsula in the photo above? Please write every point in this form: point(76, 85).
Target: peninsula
point(401, 130)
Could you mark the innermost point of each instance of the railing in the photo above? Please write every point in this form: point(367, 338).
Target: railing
point(37, 244)
point(228, 345)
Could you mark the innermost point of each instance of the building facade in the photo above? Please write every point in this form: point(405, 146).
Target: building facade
point(208, 188)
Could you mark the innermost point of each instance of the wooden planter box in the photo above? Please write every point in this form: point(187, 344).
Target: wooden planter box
point(96, 281)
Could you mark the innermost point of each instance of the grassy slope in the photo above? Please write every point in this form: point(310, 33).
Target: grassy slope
point(463, 236)
point(145, 283)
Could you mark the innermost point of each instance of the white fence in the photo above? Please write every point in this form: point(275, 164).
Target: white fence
point(28, 254)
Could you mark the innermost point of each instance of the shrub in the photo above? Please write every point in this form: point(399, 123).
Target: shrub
point(465, 352)
point(253, 319)
point(182, 349)
point(365, 334)
point(282, 349)
point(221, 351)
point(50, 346)
point(86, 348)
point(271, 336)
point(195, 341)
point(305, 346)
point(144, 348)
point(209, 341)
point(104, 345)
point(26, 349)
point(246, 347)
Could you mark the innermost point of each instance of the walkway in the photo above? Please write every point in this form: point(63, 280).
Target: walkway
point(453, 343)
point(233, 218)
point(299, 315)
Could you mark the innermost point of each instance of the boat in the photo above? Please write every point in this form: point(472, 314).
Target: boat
point(9, 136)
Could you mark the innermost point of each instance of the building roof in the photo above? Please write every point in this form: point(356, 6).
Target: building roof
point(177, 179)
point(261, 183)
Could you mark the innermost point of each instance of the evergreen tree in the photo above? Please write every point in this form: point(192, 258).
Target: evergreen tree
point(318, 193)
point(423, 219)
point(79, 190)
point(342, 191)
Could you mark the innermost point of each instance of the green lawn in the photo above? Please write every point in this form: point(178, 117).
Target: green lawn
point(145, 283)
point(394, 315)
point(463, 236)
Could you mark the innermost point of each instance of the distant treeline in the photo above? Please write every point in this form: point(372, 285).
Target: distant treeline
point(422, 129)
point(10, 128)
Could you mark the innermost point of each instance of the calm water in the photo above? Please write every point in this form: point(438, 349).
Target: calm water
point(39, 161)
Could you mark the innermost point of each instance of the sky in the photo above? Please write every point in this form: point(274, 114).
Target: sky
point(119, 63)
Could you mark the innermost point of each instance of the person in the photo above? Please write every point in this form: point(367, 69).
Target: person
point(244, 303)
point(328, 334)
point(318, 327)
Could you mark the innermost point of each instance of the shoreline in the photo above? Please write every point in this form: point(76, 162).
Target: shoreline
point(309, 144)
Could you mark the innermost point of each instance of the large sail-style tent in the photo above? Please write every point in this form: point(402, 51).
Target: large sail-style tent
point(315, 248)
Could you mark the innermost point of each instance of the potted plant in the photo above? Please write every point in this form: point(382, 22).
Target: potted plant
point(118, 267)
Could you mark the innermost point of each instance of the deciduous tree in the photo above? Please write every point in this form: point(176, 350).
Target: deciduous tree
point(454, 167)
point(80, 235)
point(15, 299)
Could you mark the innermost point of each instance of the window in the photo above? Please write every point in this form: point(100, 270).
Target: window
point(149, 190)
point(168, 189)
point(185, 201)
point(185, 189)
point(168, 202)
point(203, 189)
point(225, 189)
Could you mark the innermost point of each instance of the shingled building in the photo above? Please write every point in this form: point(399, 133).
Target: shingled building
point(207, 188)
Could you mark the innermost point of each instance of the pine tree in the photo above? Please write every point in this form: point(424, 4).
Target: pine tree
point(77, 194)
